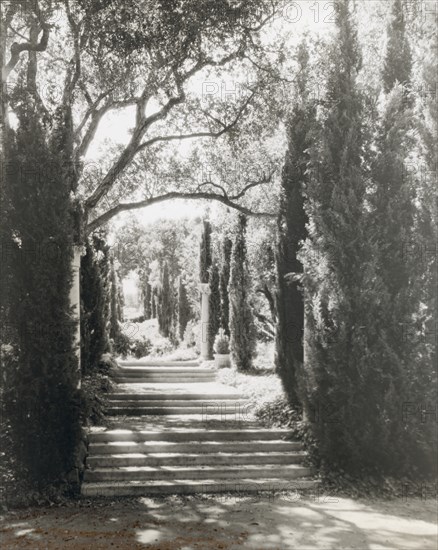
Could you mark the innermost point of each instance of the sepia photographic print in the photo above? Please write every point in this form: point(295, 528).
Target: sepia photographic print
point(218, 274)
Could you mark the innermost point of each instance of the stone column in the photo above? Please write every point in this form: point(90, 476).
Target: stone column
point(205, 291)
point(75, 302)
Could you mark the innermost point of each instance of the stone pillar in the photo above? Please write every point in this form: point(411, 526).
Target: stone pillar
point(75, 302)
point(205, 291)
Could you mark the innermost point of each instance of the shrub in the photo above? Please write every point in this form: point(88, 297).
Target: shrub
point(140, 348)
point(121, 344)
point(222, 343)
point(140, 319)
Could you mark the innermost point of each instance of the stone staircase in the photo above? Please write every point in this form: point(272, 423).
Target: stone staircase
point(176, 430)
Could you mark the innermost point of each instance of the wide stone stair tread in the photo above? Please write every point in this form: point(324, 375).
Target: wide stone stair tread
point(173, 396)
point(117, 447)
point(188, 435)
point(207, 459)
point(119, 473)
point(158, 363)
point(204, 486)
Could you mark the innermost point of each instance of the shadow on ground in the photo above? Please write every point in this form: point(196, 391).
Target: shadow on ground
point(226, 522)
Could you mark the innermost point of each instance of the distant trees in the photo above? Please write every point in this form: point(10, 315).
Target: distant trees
point(242, 329)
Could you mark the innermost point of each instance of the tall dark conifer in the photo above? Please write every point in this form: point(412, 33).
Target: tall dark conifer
point(41, 393)
point(224, 282)
point(292, 232)
point(342, 369)
point(205, 253)
point(147, 301)
point(398, 59)
point(114, 310)
point(393, 228)
point(95, 301)
point(215, 307)
point(183, 309)
point(165, 303)
point(242, 328)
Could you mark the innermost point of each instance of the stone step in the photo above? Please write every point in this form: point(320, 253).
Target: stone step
point(208, 404)
point(188, 435)
point(159, 396)
point(207, 410)
point(291, 488)
point(157, 363)
point(147, 447)
point(162, 380)
point(251, 471)
point(172, 459)
point(135, 371)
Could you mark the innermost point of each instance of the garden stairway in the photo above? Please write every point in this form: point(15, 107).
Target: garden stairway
point(176, 430)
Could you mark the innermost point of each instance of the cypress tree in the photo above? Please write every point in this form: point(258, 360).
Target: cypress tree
point(41, 393)
point(114, 313)
point(205, 253)
point(147, 301)
point(120, 302)
point(154, 303)
point(224, 282)
point(95, 294)
point(166, 303)
point(242, 328)
point(215, 307)
point(343, 372)
point(398, 59)
point(183, 309)
point(291, 224)
point(392, 228)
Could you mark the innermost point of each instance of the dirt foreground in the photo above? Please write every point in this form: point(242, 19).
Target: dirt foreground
point(226, 522)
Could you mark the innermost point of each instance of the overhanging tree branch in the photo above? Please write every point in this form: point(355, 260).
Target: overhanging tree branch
point(143, 123)
point(123, 207)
